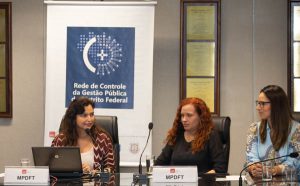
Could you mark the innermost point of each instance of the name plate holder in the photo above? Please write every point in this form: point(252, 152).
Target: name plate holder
point(29, 175)
point(177, 174)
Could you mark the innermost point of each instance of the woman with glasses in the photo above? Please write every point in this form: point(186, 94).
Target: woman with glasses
point(78, 129)
point(276, 134)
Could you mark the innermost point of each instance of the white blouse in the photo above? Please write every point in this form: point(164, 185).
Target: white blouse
point(88, 158)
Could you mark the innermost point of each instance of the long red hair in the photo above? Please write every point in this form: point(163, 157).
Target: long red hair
point(204, 129)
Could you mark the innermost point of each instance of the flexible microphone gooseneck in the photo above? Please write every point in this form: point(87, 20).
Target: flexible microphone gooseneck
point(150, 127)
point(88, 132)
point(140, 175)
point(292, 155)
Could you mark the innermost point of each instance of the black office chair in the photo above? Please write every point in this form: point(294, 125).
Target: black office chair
point(110, 125)
point(296, 116)
point(222, 124)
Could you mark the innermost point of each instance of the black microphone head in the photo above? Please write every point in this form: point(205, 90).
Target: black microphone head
point(294, 155)
point(88, 131)
point(150, 126)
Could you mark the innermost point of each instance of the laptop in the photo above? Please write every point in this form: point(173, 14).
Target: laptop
point(62, 161)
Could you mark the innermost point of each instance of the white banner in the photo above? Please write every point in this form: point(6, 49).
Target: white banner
point(89, 22)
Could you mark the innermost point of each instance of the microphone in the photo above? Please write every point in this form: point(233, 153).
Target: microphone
point(140, 175)
point(292, 155)
point(150, 127)
point(88, 132)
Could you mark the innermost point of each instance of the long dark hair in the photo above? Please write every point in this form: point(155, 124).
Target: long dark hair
point(281, 116)
point(68, 123)
point(204, 129)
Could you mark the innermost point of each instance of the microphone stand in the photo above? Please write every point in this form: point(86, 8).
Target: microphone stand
point(140, 176)
point(292, 155)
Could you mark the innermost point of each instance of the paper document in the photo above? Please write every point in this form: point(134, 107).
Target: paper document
point(230, 178)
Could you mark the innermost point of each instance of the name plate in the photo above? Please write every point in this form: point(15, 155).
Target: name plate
point(175, 174)
point(26, 175)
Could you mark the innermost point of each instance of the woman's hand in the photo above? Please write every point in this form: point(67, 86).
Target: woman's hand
point(86, 168)
point(212, 171)
point(277, 170)
point(255, 170)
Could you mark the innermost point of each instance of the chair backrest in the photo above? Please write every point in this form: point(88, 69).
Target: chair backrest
point(296, 116)
point(222, 124)
point(110, 125)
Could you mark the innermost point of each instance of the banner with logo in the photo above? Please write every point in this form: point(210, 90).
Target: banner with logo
point(104, 51)
point(100, 65)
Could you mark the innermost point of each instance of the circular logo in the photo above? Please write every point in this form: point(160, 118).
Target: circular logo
point(102, 54)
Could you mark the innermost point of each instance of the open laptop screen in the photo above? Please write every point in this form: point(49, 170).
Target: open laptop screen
point(62, 161)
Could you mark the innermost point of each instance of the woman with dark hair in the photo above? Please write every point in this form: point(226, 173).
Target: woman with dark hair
point(276, 134)
point(78, 129)
point(192, 140)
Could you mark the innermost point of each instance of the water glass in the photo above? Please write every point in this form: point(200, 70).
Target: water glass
point(24, 162)
point(267, 171)
point(290, 174)
point(149, 163)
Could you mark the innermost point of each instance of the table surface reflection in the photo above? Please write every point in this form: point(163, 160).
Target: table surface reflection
point(126, 179)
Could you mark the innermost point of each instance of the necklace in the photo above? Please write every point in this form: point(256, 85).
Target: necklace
point(188, 137)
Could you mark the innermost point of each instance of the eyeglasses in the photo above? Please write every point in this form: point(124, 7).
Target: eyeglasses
point(261, 103)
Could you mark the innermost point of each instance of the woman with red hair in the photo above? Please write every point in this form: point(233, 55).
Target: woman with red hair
point(192, 140)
